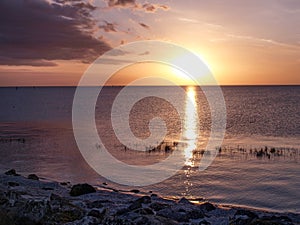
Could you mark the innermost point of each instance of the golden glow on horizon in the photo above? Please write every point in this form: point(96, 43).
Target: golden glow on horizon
point(190, 126)
point(149, 69)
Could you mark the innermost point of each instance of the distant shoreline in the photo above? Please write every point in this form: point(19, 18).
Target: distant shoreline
point(242, 85)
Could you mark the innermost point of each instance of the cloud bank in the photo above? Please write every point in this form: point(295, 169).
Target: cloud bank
point(36, 32)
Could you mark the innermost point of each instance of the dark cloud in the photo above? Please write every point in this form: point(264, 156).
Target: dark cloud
point(108, 27)
point(144, 25)
point(35, 32)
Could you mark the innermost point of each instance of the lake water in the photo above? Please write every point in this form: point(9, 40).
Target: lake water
point(257, 166)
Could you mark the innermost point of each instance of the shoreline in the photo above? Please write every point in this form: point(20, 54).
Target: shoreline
point(32, 200)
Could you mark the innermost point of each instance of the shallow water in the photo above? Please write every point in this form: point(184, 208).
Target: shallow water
point(36, 136)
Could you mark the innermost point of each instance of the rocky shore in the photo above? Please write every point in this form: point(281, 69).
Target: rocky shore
point(31, 201)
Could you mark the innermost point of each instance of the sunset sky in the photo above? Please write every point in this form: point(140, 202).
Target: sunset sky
point(52, 42)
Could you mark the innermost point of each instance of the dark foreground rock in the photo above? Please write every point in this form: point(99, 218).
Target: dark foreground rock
point(82, 189)
point(31, 201)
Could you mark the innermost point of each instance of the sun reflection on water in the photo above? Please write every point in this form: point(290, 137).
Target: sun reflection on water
point(190, 133)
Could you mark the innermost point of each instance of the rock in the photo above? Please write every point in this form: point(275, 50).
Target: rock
point(144, 211)
point(204, 222)
point(95, 204)
point(3, 199)
point(11, 172)
point(156, 206)
point(207, 207)
point(144, 199)
point(244, 212)
point(272, 220)
point(195, 214)
point(13, 184)
point(96, 213)
point(135, 205)
point(135, 191)
point(171, 214)
point(66, 216)
point(243, 216)
point(81, 189)
point(142, 220)
point(183, 200)
point(138, 203)
point(5, 219)
point(33, 177)
point(163, 220)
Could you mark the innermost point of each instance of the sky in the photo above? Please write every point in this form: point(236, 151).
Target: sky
point(53, 42)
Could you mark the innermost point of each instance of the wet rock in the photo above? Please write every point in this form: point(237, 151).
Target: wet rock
point(81, 189)
point(142, 220)
point(207, 207)
point(95, 204)
point(138, 203)
point(66, 216)
point(48, 188)
point(204, 222)
point(156, 206)
point(5, 219)
point(122, 211)
point(243, 212)
point(272, 220)
point(33, 177)
point(163, 220)
point(144, 199)
point(144, 211)
point(3, 199)
point(154, 195)
point(97, 214)
point(171, 214)
point(243, 217)
point(135, 205)
point(11, 172)
point(195, 214)
point(13, 184)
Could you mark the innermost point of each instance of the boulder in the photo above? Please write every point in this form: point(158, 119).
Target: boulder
point(33, 177)
point(11, 172)
point(81, 189)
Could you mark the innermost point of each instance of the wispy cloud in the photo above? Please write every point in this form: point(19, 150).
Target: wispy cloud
point(108, 27)
point(147, 7)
